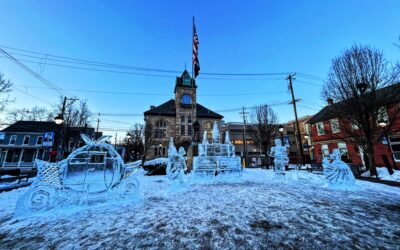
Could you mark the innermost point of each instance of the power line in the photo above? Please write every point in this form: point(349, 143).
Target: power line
point(153, 94)
point(112, 65)
point(37, 98)
point(310, 83)
point(34, 74)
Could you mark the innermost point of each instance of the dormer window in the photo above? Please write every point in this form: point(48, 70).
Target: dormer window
point(186, 99)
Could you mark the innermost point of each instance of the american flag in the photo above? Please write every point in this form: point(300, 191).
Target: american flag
point(195, 62)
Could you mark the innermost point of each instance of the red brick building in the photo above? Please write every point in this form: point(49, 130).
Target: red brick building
point(326, 132)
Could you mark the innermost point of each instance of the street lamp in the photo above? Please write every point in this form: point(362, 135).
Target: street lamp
point(59, 119)
point(382, 123)
point(280, 129)
point(306, 137)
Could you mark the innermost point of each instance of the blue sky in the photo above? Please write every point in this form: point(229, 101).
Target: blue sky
point(235, 37)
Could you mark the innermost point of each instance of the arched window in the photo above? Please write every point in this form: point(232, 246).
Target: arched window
point(161, 129)
point(186, 99)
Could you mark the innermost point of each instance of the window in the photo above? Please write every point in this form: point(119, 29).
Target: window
point(161, 129)
point(325, 150)
point(320, 128)
point(342, 147)
point(238, 142)
point(189, 120)
point(182, 129)
point(26, 140)
point(190, 132)
point(28, 155)
point(354, 125)
point(335, 126)
point(382, 115)
point(13, 140)
point(186, 99)
point(39, 140)
point(208, 125)
point(395, 145)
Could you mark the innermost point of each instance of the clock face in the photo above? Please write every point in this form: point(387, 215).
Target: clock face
point(186, 81)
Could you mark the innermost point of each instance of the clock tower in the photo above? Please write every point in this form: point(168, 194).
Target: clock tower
point(185, 106)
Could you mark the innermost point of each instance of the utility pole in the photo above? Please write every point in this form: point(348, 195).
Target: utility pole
point(290, 78)
point(58, 143)
point(244, 114)
point(98, 123)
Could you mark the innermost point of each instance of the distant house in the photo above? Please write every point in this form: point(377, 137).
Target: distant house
point(290, 135)
point(327, 132)
point(24, 141)
point(178, 117)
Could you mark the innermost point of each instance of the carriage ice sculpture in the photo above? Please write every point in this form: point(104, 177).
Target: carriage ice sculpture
point(92, 173)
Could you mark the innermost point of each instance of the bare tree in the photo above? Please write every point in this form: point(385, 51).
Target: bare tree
point(5, 88)
point(356, 82)
point(134, 144)
point(149, 138)
point(76, 116)
point(34, 114)
point(264, 120)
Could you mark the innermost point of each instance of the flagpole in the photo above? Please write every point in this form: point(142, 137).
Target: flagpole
point(192, 48)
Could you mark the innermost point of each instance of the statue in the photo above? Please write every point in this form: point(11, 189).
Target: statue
point(280, 154)
point(176, 165)
point(336, 171)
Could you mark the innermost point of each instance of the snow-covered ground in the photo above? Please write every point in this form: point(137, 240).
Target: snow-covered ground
point(297, 211)
point(383, 174)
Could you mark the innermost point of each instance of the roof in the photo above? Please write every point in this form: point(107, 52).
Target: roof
point(385, 95)
point(31, 126)
point(38, 127)
point(168, 109)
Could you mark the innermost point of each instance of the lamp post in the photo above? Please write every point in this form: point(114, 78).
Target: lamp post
point(128, 136)
point(382, 123)
point(280, 129)
point(59, 119)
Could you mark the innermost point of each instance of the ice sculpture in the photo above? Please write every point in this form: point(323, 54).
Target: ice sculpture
point(94, 172)
point(280, 155)
point(336, 172)
point(176, 165)
point(215, 133)
point(216, 159)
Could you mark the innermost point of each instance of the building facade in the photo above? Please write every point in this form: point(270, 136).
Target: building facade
point(25, 141)
point(327, 133)
point(181, 118)
point(290, 135)
point(254, 152)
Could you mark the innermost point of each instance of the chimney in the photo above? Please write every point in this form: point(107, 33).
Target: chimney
point(152, 106)
point(330, 101)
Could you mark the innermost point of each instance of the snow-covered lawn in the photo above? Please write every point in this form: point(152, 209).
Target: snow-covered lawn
point(261, 212)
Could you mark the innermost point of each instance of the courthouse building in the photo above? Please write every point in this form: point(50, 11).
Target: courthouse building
point(181, 118)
